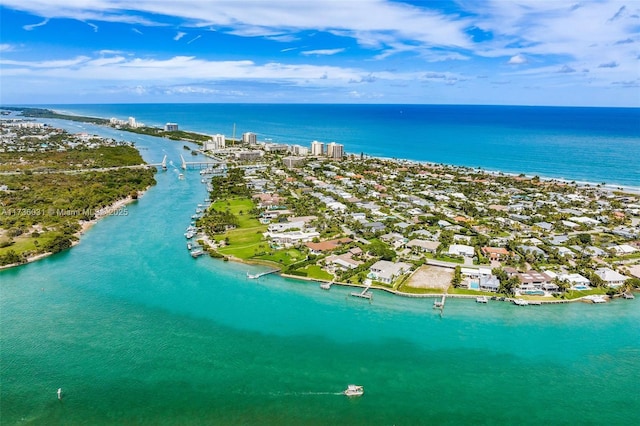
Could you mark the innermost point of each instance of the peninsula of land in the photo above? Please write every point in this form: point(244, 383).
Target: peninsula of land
point(318, 213)
point(415, 229)
point(54, 185)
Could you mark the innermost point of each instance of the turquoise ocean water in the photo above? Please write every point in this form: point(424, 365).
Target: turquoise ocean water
point(135, 331)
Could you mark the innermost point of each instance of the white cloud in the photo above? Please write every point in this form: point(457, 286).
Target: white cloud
point(322, 52)
point(179, 35)
point(94, 26)
point(32, 26)
point(194, 39)
point(517, 60)
point(5, 47)
point(368, 21)
point(137, 31)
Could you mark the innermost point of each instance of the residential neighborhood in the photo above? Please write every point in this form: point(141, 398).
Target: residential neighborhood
point(356, 220)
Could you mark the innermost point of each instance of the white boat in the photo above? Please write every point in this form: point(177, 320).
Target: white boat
point(59, 393)
point(482, 299)
point(354, 390)
point(521, 302)
point(197, 252)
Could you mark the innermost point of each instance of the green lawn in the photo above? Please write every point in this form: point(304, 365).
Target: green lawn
point(314, 271)
point(419, 290)
point(246, 240)
point(237, 205)
point(23, 244)
point(574, 294)
point(454, 290)
point(284, 257)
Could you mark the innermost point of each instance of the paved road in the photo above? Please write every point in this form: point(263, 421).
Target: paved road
point(71, 172)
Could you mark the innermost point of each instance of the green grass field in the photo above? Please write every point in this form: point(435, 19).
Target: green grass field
point(23, 244)
point(574, 294)
point(453, 290)
point(418, 290)
point(246, 240)
point(314, 271)
point(283, 257)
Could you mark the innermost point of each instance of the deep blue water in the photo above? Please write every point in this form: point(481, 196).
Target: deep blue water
point(583, 144)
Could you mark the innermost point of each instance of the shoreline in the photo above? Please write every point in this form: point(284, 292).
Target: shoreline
point(554, 301)
point(609, 187)
point(84, 227)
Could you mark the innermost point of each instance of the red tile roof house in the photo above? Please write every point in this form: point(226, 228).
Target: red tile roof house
point(268, 200)
point(318, 248)
point(495, 253)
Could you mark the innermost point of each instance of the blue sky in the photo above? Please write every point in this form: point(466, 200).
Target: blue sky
point(530, 52)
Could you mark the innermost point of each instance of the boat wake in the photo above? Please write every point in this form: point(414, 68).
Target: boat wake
point(303, 393)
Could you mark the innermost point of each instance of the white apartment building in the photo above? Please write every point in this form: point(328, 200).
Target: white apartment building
point(317, 148)
point(299, 150)
point(335, 150)
point(249, 138)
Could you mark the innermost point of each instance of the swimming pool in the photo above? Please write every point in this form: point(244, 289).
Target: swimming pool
point(581, 287)
point(474, 285)
point(533, 292)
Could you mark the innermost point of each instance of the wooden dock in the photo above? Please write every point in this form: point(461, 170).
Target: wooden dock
point(439, 304)
point(326, 286)
point(365, 294)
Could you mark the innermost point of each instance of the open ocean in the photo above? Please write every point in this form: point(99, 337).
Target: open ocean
point(584, 144)
point(135, 331)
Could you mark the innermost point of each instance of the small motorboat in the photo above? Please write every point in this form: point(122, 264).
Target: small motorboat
point(59, 393)
point(354, 390)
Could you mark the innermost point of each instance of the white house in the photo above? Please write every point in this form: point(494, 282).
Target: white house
point(611, 277)
point(461, 250)
point(385, 271)
point(623, 249)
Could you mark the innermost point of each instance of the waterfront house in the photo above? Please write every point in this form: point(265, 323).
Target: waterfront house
point(292, 238)
point(385, 271)
point(343, 261)
point(610, 277)
point(489, 283)
point(533, 280)
point(325, 246)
